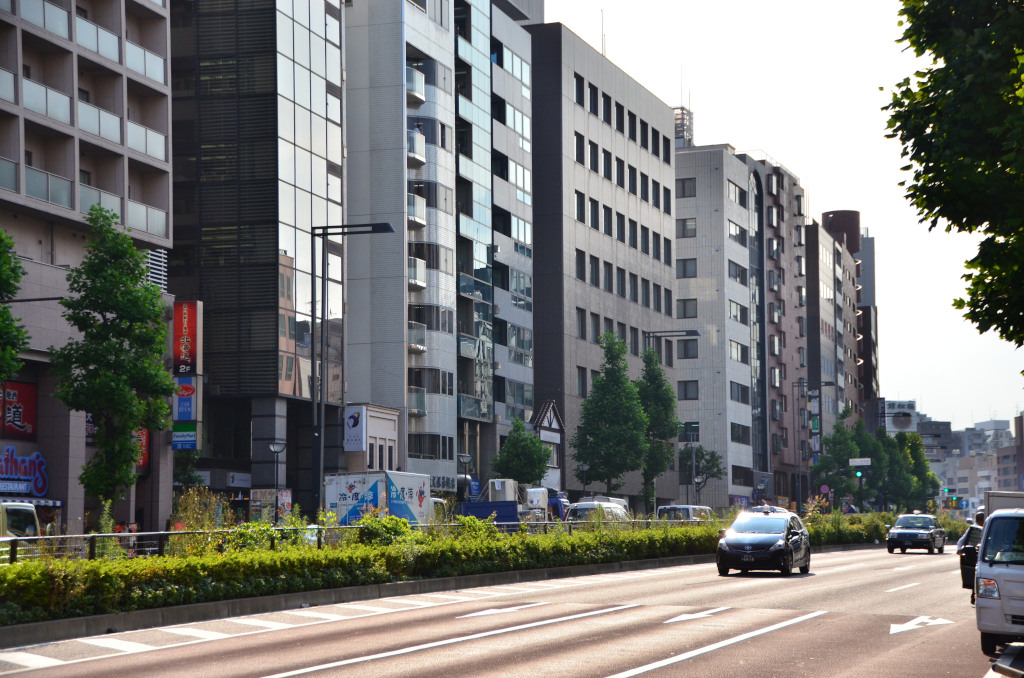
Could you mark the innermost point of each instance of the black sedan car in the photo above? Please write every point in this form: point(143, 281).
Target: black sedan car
point(765, 539)
point(916, 531)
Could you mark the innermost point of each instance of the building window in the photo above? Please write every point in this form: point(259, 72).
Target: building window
point(655, 193)
point(607, 277)
point(668, 302)
point(620, 282)
point(620, 227)
point(581, 381)
point(609, 326)
point(578, 82)
point(656, 296)
point(579, 148)
point(620, 173)
point(689, 432)
point(739, 433)
point(643, 134)
point(686, 308)
point(581, 207)
point(737, 195)
point(737, 273)
point(606, 214)
point(633, 234)
point(686, 349)
point(593, 99)
point(620, 117)
point(632, 126)
point(666, 200)
point(645, 194)
point(686, 228)
point(606, 164)
point(595, 215)
point(687, 390)
point(620, 331)
point(656, 246)
point(737, 233)
point(581, 324)
point(655, 143)
point(739, 393)
point(634, 341)
point(634, 283)
point(645, 240)
point(581, 265)
point(739, 352)
point(595, 271)
point(594, 158)
point(632, 180)
point(595, 327)
point(606, 108)
point(686, 268)
point(686, 188)
point(738, 312)
point(666, 153)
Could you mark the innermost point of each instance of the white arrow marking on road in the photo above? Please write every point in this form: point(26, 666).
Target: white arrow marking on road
point(484, 613)
point(696, 615)
point(914, 624)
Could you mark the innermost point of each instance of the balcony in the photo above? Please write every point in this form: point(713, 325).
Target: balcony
point(97, 39)
point(49, 187)
point(145, 140)
point(417, 211)
point(49, 102)
point(417, 401)
point(417, 274)
point(99, 122)
point(469, 346)
point(8, 174)
point(89, 196)
point(475, 408)
point(144, 62)
point(415, 87)
point(145, 218)
point(47, 16)
point(417, 337)
point(7, 86)
point(476, 289)
point(417, 156)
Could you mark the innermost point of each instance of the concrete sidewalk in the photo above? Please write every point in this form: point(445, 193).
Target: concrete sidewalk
point(82, 627)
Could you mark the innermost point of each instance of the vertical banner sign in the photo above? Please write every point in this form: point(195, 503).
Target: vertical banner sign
point(355, 429)
point(142, 437)
point(186, 395)
point(188, 333)
point(19, 403)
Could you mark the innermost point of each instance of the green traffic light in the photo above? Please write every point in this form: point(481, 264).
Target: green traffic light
point(946, 490)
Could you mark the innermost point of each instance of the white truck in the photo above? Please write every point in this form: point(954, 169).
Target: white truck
point(999, 572)
point(352, 495)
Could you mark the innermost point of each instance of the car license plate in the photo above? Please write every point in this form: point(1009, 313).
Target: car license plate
point(748, 559)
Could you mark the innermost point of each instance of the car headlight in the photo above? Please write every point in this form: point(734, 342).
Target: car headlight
point(781, 543)
point(891, 535)
point(987, 588)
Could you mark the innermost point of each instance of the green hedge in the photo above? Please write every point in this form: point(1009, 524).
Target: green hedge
point(52, 588)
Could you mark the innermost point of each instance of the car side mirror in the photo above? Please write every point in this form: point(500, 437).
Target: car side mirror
point(721, 533)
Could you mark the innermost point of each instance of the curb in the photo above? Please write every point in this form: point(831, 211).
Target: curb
point(36, 633)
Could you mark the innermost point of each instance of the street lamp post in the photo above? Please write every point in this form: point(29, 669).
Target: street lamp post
point(317, 387)
point(277, 447)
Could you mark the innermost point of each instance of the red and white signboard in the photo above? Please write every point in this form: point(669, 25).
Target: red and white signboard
point(188, 338)
point(19, 403)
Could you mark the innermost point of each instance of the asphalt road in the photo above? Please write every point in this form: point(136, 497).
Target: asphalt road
point(858, 613)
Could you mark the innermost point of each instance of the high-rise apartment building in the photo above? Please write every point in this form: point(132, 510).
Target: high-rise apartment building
point(84, 119)
point(602, 207)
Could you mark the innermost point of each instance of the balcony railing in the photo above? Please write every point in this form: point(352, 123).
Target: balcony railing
point(417, 211)
point(415, 86)
point(475, 408)
point(417, 149)
point(46, 15)
point(97, 39)
point(417, 337)
point(417, 401)
point(89, 196)
point(49, 102)
point(7, 85)
point(99, 122)
point(143, 61)
point(417, 273)
point(8, 174)
point(146, 218)
point(145, 140)
point(471, 287)
point(49, 187)
point(468, 346)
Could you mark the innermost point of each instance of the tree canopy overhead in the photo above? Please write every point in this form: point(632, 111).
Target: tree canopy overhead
point(522, 457)
point(659, 403)
point(961, 123)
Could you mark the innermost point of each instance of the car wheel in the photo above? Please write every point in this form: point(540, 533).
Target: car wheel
point(723, 571)
point(891, 548)
point(806, 567)
point(988, 643)
point(943, 547)
point(787, 565)
point(903, 549)
point(931, 548)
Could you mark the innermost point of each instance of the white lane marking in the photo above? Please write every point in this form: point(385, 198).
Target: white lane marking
point(202, 634)
point(900, 569)
point(900, 588)
point(715, 646)
point(500, 610)
point(262, 623)
point(696, 615)
point(310, 614)
point(117, 644)
point(913, 624)
point(448, 641)
point(29, 660)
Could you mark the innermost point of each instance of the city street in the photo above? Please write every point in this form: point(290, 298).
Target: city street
point(858, 613)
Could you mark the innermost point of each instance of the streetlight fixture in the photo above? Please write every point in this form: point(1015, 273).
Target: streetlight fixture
point(463, 480)
point(317, 387)
point(585, 468)
point(277, 447)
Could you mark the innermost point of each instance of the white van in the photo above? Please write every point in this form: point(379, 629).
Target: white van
point(17, 519)
point(590, 509)
point(685, 512)
point(999, 579)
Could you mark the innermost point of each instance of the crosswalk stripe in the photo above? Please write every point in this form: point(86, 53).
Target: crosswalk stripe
point(195, 633)
point(262, 623)
point(117, 644)
point(368, 608)
point(29, 660)
point(316, 615)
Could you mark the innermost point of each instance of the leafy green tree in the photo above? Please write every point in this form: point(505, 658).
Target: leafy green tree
point(611, 437)
point(659, 403)
point(13, 338)
point(116, 370)
point(704, 464)
point(960, 121)
point(833, 466)
point(926, 483)
point(522, 457)
point(899, 482)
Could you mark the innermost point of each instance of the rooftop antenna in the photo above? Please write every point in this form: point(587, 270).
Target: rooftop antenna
point(603, 48)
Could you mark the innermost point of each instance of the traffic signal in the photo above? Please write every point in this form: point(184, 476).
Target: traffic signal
point(946, 490)
point(859, 474)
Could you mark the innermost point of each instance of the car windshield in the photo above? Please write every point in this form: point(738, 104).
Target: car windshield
point(755, 524)
point(1004, 541)
point(915, 522)
point(674, 514)
point(21, 522)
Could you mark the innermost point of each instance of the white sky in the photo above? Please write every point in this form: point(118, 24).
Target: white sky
point(799, 80)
